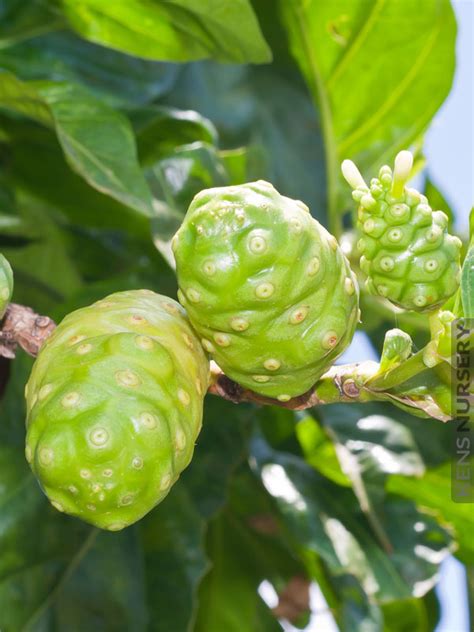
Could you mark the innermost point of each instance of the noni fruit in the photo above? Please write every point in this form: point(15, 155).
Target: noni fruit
point(407, 253)
point(114, 406)
point(266, 287)
point(6, 285)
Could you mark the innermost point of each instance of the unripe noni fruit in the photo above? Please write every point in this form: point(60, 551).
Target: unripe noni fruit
point(266, 287)
point(6, 285)
point(407, 253)
point(114, 407)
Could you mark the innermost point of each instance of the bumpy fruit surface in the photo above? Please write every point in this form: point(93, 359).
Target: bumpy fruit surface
point(407, 253)
point(266, 287)
point(6, 284)
point(114, 407)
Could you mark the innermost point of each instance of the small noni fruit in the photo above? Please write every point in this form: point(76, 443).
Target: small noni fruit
point(6, 285)
point(407, 253)
point(114, 406)
point(266, 287)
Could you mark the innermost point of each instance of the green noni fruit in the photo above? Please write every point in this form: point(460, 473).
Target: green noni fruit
point(266, 287)
point(407, 253)
point(6, 285)
point(114, 405)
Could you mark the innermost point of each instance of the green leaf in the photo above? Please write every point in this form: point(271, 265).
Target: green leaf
point(20, 20)
point(267, 108)
point(437, 200)
point(325, 519)
point(44, 271)
point(116, 77)
point(228, 597)
point(433, 491)
point(370, 67)
point(35, 163)
point(160, 130)
point(97, 141)
point(180, 30)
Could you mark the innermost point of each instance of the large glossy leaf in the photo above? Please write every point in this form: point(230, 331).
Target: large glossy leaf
point(265, 108)
point(20, 20)
point(44, 270)
point(34, 162)
point(228, 597)
point(324, 519)
point(97, 141)
point(111, 75)
point(378, 72)
point(433, 491)
point(180, 30)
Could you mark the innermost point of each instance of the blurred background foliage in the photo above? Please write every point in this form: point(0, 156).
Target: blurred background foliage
point(113, 115)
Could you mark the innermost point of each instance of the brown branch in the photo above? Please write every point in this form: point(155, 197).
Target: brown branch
point(22, 327)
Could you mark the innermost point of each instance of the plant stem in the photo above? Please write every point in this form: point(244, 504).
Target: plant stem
point(318, 89)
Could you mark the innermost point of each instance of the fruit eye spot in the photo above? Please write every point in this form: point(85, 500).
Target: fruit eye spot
point(144, 342)
point(295, 225)
point(108, 473)
point(433, 233)
point(332, 242)
point(149, 421)
point(70, 400)
point(261, 378)
point(395, 235)
point(272, 364)
point(239, 324)
point(431, 265)
point(264, 290)
point(208, 346)
point(75, 339)
point(284, 398)
point(136, 319)
point(165, 482)
point(209, 268)
point(382, 290)
point(45, 391)
point(180, 440)
point(313, 266)
point(127, 378)
point(116, 526)
point(369, 226)
point(57, 505)
point(46, 456)
point(222, 339)
point(85, 474)
point(330, 339)
point(187, 339)
point(170, 308)
point(83, 349)
point(193, 295)
point(387, 264)
point(184, 397)
point(349, 286)
point(420, 301)
point(28, 453)
point(298, 315)
point(99, 437)
point(137, 463)
point(126, 500)
point(257, 245)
